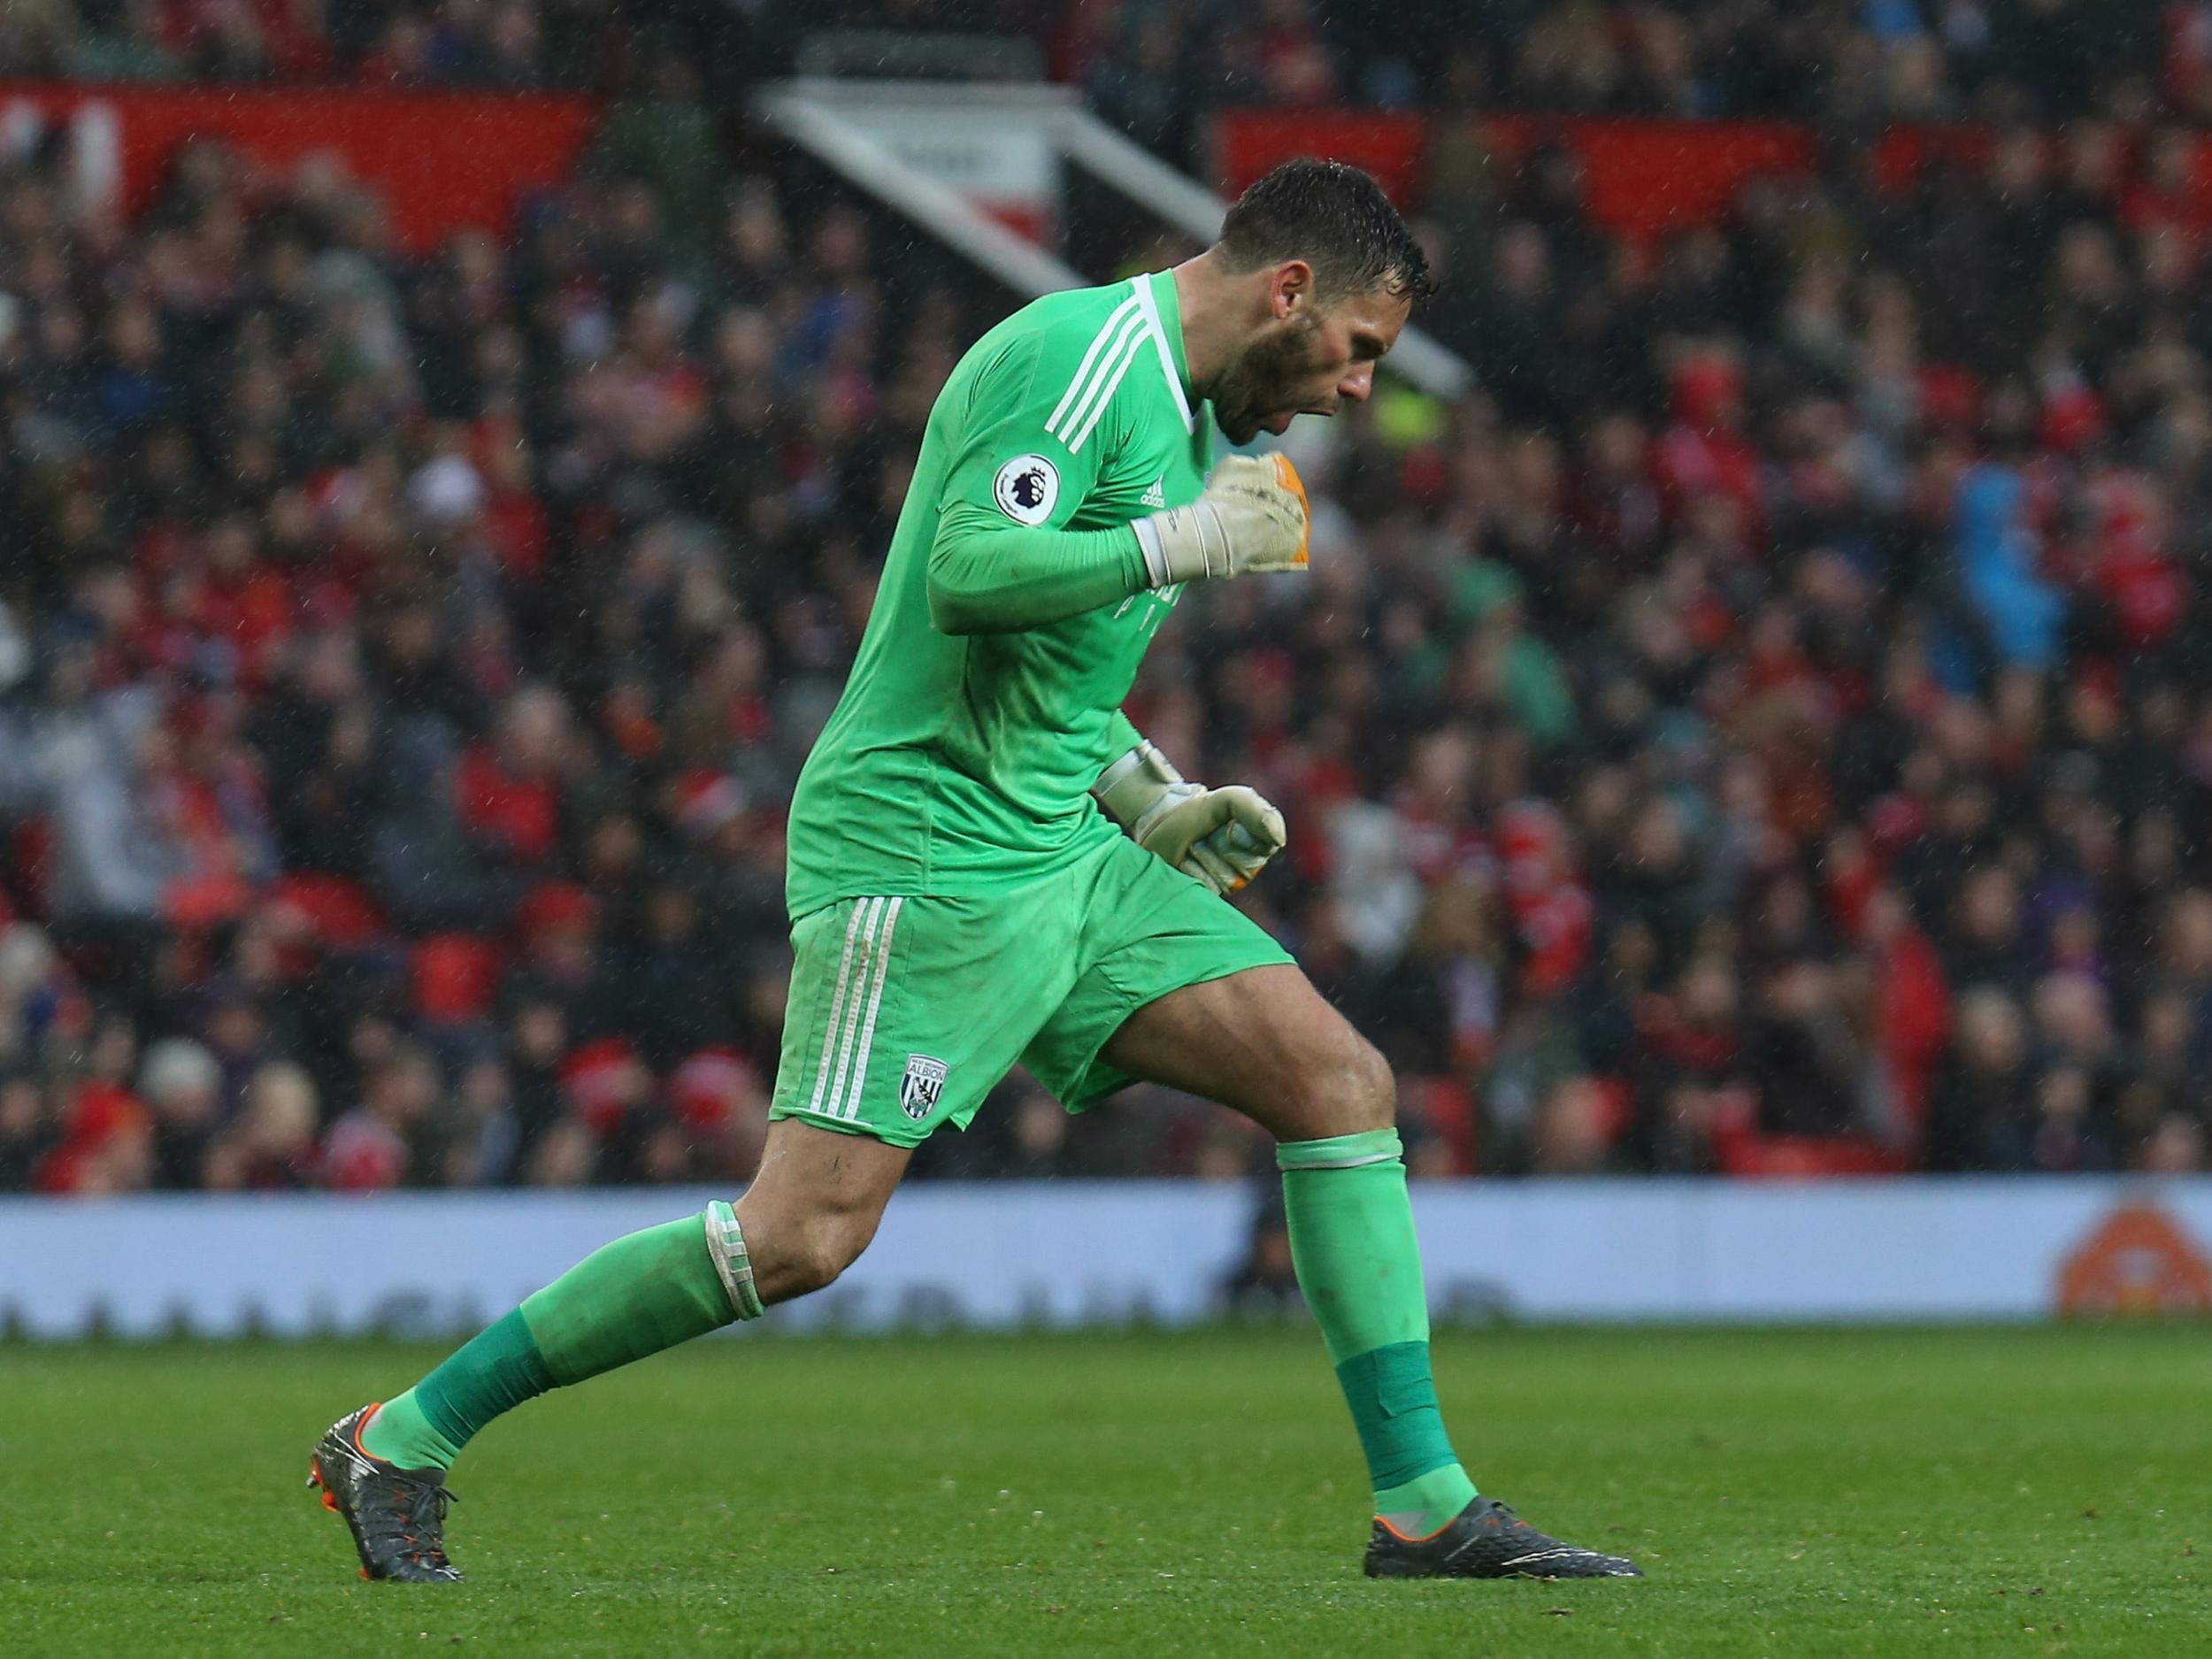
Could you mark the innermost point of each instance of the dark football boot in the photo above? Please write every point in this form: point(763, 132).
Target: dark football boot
point(396, 1515)
point(1488, 1540)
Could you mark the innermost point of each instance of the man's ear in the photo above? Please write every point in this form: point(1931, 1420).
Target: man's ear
point(1290, 289)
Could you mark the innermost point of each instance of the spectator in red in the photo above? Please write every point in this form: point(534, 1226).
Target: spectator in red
point(386, 1140)
point(509, 789)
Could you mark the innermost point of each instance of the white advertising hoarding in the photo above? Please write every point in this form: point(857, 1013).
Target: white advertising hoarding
point(999, 147)
point(1101, 1253)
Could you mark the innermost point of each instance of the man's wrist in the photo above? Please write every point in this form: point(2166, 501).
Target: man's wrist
point(1131, 787)
point(1156, 570)
point(1185, 544)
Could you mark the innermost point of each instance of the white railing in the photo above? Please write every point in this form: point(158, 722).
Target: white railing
point(833, 118)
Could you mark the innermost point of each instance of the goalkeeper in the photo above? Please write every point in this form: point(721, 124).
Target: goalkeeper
point(990, 866)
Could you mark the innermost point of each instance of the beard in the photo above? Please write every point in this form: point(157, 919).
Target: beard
point(1263, 383)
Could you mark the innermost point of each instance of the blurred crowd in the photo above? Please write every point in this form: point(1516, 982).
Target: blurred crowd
point(1157, 69)
point(403, 663)
point(1785, 735)
point(1767, 727)
point(487, 43)
point(1158, 65)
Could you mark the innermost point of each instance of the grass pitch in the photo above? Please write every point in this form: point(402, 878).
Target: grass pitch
point(1866, 1494)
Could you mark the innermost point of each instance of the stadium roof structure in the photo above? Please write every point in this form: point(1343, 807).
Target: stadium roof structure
point(931, 150)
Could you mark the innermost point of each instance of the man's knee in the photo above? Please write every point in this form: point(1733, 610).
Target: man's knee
point(823, 1250)
point(814, 1206)
point(796, 1250)
point(1371, 1086)
point(1349, 1091)
point(794, 1255)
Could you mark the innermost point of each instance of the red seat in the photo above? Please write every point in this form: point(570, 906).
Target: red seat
point(455, 976)
point(341, 912)
point(31, 854)
point(1446, 1107)
point(1799, 1157)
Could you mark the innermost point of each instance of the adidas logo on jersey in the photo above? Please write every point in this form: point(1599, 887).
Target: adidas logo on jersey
point(1157, 497)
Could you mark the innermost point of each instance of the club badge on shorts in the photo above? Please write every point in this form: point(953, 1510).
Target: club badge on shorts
point(924, 1082)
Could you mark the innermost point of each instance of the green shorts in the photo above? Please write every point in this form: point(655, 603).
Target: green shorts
point(905, 1012)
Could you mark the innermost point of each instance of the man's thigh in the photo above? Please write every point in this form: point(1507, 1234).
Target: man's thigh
point(1266, 1043)
point(905, 1012)
point(1150, 934)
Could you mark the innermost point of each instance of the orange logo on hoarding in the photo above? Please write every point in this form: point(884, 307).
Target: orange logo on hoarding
point(2138, 1261)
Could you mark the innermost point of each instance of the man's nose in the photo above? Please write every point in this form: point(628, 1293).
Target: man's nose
point(1359, 385)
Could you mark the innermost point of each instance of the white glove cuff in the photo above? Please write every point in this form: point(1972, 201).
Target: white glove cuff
point(1155, 554)
point(1128, 787)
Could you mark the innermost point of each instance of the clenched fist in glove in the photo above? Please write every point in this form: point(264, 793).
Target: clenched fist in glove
point(1253, 516)
point(1221, 837)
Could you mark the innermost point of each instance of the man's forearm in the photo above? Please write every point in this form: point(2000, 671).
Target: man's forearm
point(996, 579)
point(1121, 736)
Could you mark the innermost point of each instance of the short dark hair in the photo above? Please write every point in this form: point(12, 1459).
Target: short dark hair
point(1335, 217)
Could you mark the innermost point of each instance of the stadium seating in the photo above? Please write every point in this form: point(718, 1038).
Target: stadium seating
point(1766, 729)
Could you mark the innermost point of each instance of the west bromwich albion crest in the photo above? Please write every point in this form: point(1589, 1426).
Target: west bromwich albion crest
point(924, 1082)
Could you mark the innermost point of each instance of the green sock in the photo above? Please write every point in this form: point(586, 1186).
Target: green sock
point(639, 1294)
point(1351, 1239)
point(495, 1370)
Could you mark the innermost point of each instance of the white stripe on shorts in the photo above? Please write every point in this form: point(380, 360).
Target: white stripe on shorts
point(874, 910)
point(837, 1005)
point(875, 1000)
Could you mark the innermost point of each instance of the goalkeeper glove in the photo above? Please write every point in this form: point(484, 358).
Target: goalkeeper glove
point(1253, 516)
point(1221, 837)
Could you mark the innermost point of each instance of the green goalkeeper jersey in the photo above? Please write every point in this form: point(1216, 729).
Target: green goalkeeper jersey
point(1012, 612)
